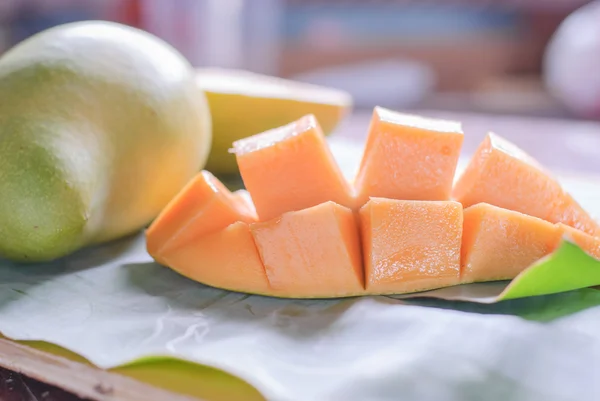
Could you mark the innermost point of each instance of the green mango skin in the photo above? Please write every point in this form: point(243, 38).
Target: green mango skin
point(100, 126)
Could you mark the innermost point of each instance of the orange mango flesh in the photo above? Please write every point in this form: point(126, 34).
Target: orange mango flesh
point(589, 244)
point(410, 245)
point(202, 207)
point(246, 201)
point(398, 233)
point(408, 157)
point(498, 243)
point(314, 252)
point(225, 259)
point(503, 175)
point(290, 168)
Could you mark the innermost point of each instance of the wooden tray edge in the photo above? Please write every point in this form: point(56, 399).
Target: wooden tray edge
point(79, 379)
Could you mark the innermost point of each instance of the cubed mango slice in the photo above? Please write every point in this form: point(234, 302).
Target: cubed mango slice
point(589, 244)
point(300, 230)
point(244, 197)
point(314, 252)
point(290, 168)
point(202, 207)
point(410, 245)
point(408, 157)
point(499, 243)
point(503, 175)
point(226, 259)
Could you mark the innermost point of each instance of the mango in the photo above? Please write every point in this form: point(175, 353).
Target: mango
point(410, 245)
point(498, 244)
point(291, 168)
point(408, 157)
point(101, 125)
point(244, 103)
point(504, 175)
point(302, 230)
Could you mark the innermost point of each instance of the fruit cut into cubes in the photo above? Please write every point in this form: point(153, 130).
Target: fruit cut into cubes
point(300, 230)
point(408, 157)
point(290, 168)
point(202, 207)
point(503, 175)
point(410, 245)
point(226, 259)
point(314, 252)
point(499, 243)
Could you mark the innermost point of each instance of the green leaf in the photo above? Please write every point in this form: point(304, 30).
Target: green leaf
point(169, 373)
point(568, 268)
point(189, 378)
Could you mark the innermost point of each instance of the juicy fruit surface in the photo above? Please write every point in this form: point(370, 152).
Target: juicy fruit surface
point(503, 175)
point(110, 127)
point(202, 207)
point(291, 168)
point(238, 270)
point(312, 252)
point(314, 237)
point(498, 243)
point(243, 103)
point(408, 157)
point(410, 245)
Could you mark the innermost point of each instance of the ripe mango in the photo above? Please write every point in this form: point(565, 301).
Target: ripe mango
point(100, 126)
point(243, 103)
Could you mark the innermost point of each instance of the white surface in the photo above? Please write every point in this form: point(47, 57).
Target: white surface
point(113, 305)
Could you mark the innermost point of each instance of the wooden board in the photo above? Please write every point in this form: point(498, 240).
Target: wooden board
point(82, 380)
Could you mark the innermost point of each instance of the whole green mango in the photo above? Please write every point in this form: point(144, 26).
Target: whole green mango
point(101, 125)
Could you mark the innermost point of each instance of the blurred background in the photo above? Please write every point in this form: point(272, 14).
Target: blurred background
point(470, 55)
